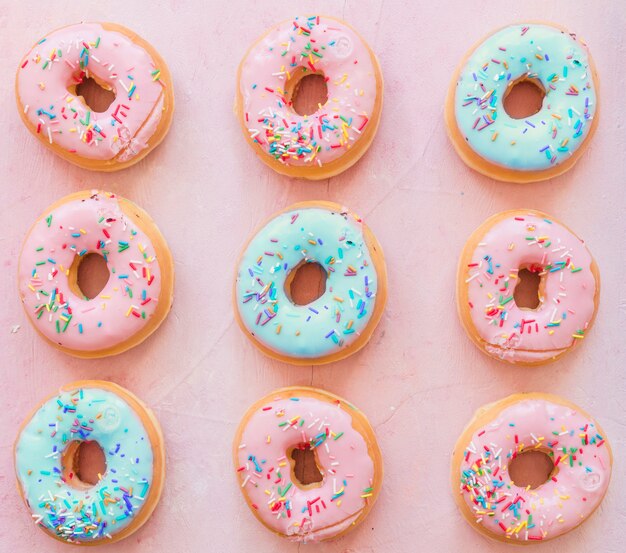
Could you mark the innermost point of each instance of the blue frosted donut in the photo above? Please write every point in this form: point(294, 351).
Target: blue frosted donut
point(336, 324)
point(45, 463)
point(538, 146)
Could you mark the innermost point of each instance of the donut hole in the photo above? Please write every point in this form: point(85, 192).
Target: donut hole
point(306, 92)
point(96, 96)
point(528, 293)
point(305, 283)
point(304, 467)
point(89, 275)
point(523, 98)
point(83, 464)
point(531, 468)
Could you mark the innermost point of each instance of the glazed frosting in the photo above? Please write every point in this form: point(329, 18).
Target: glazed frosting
point(128, 300)
point(100, 511)
point(578, 483)
point(533, 241)
point(333, 321)
point(560, 62)
point(319, 46)
point(65, 58)
point(267, 480)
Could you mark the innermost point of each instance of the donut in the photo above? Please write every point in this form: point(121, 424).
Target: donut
point(119, 61)
point(135, 300)
point(46, 464)
point(488, 273)
point(317, 145)
point(498, 508)
point(537, 147)
point(341, 321)
point(346, 454)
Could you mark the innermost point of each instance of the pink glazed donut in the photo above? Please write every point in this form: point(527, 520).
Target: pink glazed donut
point(328, 141)
point(119, 61)
point(576, 446)
point(489, 271)
point(349, 463)
point(137, 296)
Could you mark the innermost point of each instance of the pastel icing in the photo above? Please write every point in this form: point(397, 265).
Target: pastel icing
point(317, 45)
point(560, 62)
point(65, 58)
point(265, 475)
point(94, 223)
point(332, 322)
point(578, 483)
point(107, 508)
point(567, 307)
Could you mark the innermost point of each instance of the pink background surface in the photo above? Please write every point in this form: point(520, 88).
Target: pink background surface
point(420, 379)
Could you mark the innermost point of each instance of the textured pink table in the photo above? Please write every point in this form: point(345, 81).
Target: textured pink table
point(420, 379)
